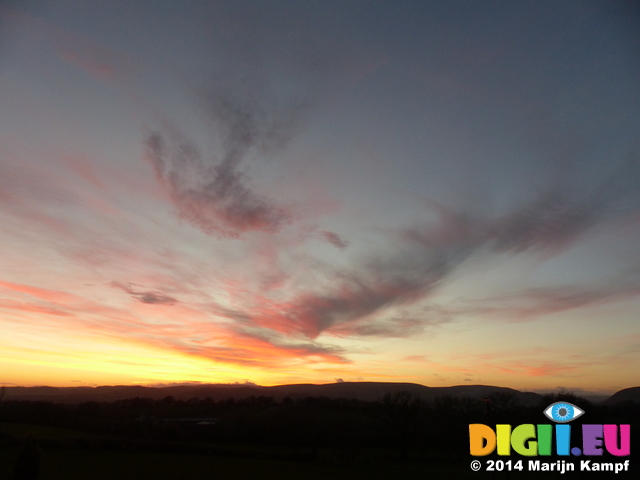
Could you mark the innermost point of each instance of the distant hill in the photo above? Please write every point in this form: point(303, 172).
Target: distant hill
point(628, 394)
point(356, 390)
point(594, 398)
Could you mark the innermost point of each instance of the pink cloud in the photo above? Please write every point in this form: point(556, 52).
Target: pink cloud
point(161, 323)
point(214, 198)
point(534, 303)
point(32, 308)
point(53, 296)
point(101, 63)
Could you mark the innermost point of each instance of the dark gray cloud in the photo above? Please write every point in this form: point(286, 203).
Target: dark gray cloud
point(248, 121)
point(215, 198)
point(248, 118)
point(262, 83)
point(150, 297)
point(354, 298)
point(335, 240)
point(559, 217)
point(398, 325)
point(356, 301)
point(533, 303)
point(552, 220)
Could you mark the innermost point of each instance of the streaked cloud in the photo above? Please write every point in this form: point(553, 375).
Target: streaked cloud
point(335, 239)
point(535, 303)
point(149, 296)
point(299, 190)
point(214, 197)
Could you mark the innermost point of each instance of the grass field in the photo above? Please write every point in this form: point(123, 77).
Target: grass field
point(71, 464)
point(75, 464)
point(80, 465)
point(21, 431)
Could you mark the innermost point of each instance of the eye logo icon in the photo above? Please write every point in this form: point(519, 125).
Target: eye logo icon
point(563, 412)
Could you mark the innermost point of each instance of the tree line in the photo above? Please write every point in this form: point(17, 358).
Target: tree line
point(403, 423)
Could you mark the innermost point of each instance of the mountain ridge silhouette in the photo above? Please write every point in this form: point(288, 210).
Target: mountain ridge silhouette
point(368, 391)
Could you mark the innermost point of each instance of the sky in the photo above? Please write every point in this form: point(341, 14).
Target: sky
point(437, 192)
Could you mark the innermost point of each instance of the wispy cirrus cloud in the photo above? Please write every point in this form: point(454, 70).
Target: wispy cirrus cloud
point(379, 295)
point(362, 301)
point(355, 298)
point(149, 296)
point(517, 364)
point(187, 329)
point(534, 303)
point(213, 196)
point(334, 239)
point(536, 368)
point(30, 307)
point(97, 242)
point(102, 63)
point(250, 352)
point(251, 115)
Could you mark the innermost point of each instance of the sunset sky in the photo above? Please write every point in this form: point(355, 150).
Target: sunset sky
point(438, 192)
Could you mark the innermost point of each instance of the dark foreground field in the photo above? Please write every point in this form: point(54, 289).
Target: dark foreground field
point(399, 436)
point(61, 461)
point(82, 465)
point(69, 464)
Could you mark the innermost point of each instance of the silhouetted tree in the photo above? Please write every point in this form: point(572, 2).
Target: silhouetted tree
point(565, 396)
point(3, 392)
point(451, 418)
point(501, 406)
point(404, 409)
